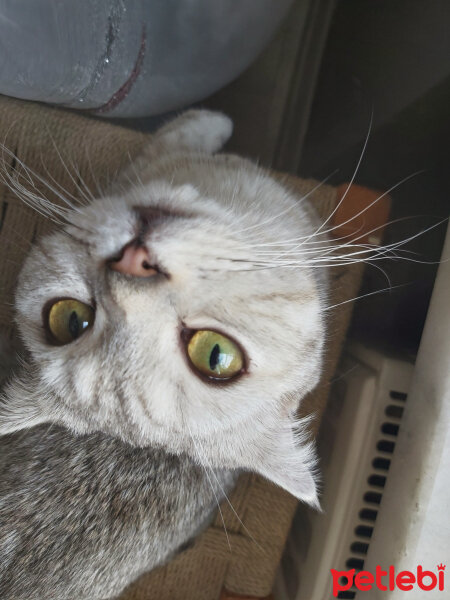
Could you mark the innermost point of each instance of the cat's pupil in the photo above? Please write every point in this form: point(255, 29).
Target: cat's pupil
point(214, 357)
point(74, 325)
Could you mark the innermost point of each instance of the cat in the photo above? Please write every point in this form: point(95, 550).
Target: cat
point(164, 353)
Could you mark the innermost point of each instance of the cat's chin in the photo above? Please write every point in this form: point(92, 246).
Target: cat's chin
point(273, 443)
point(276, 445)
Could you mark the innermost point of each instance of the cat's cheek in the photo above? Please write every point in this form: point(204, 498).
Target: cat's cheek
point(20, 406)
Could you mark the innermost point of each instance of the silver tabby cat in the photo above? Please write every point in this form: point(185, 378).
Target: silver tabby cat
point(165, 352)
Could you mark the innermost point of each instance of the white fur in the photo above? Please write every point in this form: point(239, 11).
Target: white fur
point(128, 375)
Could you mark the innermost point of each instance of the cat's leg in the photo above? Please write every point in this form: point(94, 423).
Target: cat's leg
point(196, 130)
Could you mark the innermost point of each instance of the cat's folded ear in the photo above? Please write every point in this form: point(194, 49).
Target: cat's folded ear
point(289, 460)
point(19, 408)
point(195, 130)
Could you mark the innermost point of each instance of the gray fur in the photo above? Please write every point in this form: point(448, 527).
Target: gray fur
point(104, 436)
point(81, 517)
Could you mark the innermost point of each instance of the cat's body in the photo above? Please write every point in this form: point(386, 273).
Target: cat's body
point(81, 517)
point(187, 244)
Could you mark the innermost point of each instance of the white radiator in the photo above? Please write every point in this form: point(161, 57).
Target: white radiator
point(385, 449)
point(356, 445)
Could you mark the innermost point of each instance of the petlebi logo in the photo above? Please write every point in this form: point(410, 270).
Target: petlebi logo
point(385, 580)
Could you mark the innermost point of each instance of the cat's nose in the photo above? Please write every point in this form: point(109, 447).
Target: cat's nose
point(135, 260)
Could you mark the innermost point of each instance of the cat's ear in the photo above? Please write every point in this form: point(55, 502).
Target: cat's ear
point(19, 408)
point(195, 130)
point(289, 460)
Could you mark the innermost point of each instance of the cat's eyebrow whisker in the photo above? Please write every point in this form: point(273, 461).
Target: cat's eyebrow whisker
point(89, 196)
point(65, 193)
point(135, 172)
point(67, 170)
point(358, 164)
point(94, 178)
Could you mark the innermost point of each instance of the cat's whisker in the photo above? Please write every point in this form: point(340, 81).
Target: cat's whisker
point(303, 260)
point(65, 193)
point(135, 172)
point(211, 485)
point(294, 242)
point(226, 496)
point(328, 257)
point(380, 251)
point(89, 195)
point(308, 239)
point(33, 203)
point(345, 374)
point(358, 164)
point(368, 234)
point(388, 289)
point(326, 262)
point(100, 191)
point(286, 210)
point(366, 208)
point(36, 201)
point(67, 170)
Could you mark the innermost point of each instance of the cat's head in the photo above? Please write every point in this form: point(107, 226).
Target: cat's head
point(159, 314)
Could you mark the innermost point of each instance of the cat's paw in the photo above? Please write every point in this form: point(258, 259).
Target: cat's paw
point(198, 130)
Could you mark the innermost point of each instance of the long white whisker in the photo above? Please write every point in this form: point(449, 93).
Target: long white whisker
point(64, 195)
point(226, 497)
point(77, 186)
point(286, 210)
point(210, 483)
point(388, 289)
point(83, 183)
point(366, 141)
point(37, 202)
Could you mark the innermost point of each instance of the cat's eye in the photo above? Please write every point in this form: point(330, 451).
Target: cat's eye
point(215, 355)
point(67, 319)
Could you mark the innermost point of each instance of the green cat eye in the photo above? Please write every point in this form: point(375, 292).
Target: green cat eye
point(215, 355)
point(67, 319)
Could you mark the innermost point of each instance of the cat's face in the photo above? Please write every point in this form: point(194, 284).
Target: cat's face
point(189, 331)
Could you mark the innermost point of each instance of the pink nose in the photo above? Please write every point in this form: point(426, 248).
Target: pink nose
point(135, 261)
